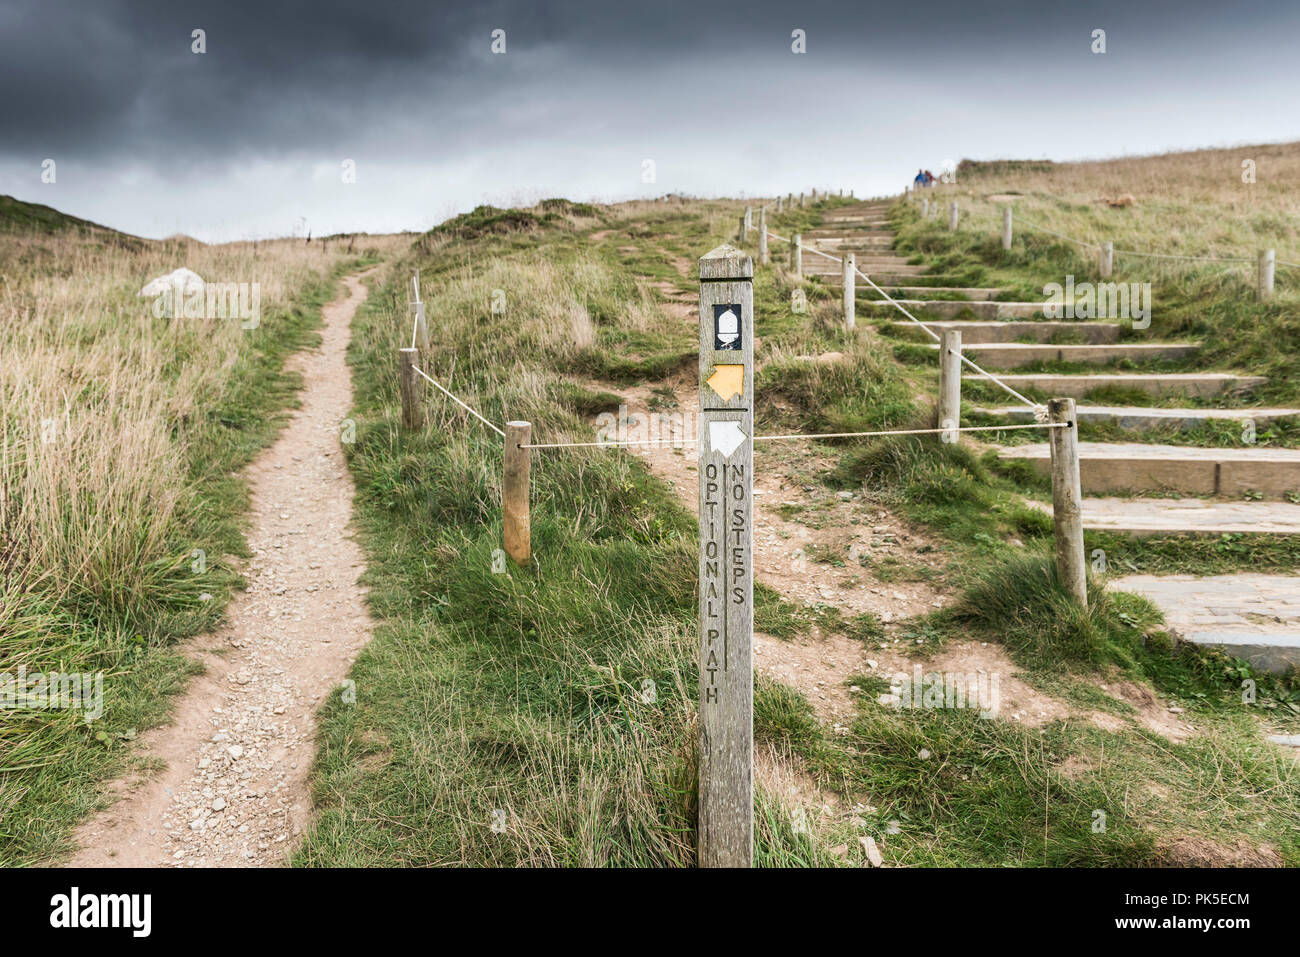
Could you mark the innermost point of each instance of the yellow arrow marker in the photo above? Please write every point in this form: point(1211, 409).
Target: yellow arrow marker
point(727, 381)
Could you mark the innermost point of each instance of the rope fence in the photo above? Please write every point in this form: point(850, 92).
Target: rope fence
point(1036, 407)
point(1056, 418)
point(676, 441)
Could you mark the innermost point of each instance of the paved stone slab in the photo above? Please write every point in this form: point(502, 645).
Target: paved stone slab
point(1255, 617)
point(920, 292)
point(1199, 384)
point(1010, 355)
point(978, 332)
point(950, 307)
point(1186, 516)
point(1123, 466)
point(1134, 417)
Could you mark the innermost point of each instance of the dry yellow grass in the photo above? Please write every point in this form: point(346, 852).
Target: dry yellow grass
point(1191, 204)
point(98, 398)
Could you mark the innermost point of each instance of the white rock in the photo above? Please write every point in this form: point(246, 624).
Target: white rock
point(873, 852)
point(190, 282)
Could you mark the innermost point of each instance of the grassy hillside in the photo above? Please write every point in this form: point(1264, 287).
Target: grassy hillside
point(501, 716)
point(1185, 204)
point(19, 216)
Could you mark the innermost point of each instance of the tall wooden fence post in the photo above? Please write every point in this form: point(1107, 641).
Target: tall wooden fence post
point(1067, 499)
point(952, 216)
point(749, 223)
point(780, 203)
point(412, 408)
point(726, 567)
point(762, 236)
point(1106, 262)
point(925, 208)
point(796, 255)
point(1267, 261)
point(850, 290)
point(515, 494)
point(950, 384)
point(1006, 227)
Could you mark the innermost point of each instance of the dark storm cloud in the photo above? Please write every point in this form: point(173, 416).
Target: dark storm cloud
point(250, 135)
point(114, 76)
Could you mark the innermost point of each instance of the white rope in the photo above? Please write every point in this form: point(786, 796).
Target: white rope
point(678, 441)
point(1037, 409)
point(1068, 239)
point(814, 249)
point(1206, 259)
point(1134, 252)
point(460, 403)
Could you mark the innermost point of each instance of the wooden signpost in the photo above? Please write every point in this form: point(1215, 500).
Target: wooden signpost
point(726, 475)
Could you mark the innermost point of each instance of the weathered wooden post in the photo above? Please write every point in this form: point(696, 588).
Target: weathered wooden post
point(749, 222)
point(412, 409)
point(726, 476)
point(1006, 227)
point(515, 496)
point(850, 290)
point(925, 208)
point(762, 236)
point(801, 201)
point(952, 216)
point(1106, 261)
point(1067, 499)
point(814, 194)
point(796, 255)
point(1267, 261)
point(779, 201)
point(950, 384)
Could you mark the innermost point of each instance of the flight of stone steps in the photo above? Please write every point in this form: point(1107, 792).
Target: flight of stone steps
point(1241, 489)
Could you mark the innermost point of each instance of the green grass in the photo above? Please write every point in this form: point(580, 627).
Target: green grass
point(545, 715)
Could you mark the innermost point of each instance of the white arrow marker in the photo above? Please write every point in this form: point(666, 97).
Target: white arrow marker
point(728, 327)
point(726, 437)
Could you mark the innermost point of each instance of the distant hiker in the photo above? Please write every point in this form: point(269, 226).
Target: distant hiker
point(920, 179)
point(929, 178)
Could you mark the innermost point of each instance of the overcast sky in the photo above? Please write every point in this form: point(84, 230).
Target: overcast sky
point(249, 138)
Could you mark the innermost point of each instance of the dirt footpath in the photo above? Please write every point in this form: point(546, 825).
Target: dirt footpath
point(232, 790)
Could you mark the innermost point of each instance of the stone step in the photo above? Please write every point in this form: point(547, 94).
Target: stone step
point(1187, 516)
point(1128, 466)
point(896, 275)
point(974, 332)
point(1131, 417)
point(867, 219)
point(973, 294)
point(846, 235)
point(882, 258)
point(881, 277)
point(859, 248)
point(1250, 616)
point(949, 308)
point(1197, 384)
point(1011, 355)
